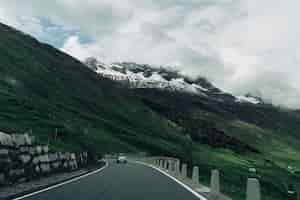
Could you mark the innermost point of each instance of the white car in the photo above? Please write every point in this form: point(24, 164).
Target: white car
point(122, 159)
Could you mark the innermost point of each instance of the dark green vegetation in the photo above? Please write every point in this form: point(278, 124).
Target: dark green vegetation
point(66, 104)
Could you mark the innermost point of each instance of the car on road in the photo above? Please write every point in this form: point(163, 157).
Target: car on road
point(122, 159)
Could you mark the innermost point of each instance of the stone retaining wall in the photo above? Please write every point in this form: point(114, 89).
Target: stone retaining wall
point(21, 159)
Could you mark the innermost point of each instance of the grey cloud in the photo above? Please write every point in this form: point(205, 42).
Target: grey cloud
point(273, 87)
point(241, 45)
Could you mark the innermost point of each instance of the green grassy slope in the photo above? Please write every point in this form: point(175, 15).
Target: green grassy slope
point(213, 125)
point(44, 90)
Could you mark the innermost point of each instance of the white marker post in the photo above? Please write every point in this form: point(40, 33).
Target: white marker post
point(195, 176)
point(184, 171)
point(253, 189)
point(215, 182)
point(177, 169)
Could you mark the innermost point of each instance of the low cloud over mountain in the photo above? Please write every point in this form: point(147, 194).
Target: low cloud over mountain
point(243, 46)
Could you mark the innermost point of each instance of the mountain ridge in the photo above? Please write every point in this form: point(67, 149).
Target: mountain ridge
point(165, 78)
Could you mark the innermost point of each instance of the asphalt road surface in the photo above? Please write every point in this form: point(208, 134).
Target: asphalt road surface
point(120, 182)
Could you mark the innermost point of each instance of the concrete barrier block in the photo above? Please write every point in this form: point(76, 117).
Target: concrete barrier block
point(253, 189)
point(215, 182)
point(184, 170)
point(195, 176)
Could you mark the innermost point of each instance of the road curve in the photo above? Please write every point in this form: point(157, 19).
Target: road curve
point(119, 182)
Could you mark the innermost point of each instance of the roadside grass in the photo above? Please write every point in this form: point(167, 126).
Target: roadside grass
point(234, 170)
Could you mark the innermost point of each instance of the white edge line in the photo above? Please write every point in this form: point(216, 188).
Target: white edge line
point(61, 184)
point(174, 179)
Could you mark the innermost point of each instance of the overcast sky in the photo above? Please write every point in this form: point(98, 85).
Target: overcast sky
point(240, 45)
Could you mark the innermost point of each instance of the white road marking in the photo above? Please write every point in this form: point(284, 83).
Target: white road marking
point(176, 180)
point(63, 183)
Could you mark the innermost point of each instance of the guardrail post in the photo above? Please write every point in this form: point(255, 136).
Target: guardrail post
point(166, 165)
point(177, 168)
point(215, 182)
point(253, 189)
point(172, 166)
point(152, 161)
point(195, 176)
point(184, 171)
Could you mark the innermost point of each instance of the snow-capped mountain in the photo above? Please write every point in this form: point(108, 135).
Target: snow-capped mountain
point(248, 98)
point(146, 76)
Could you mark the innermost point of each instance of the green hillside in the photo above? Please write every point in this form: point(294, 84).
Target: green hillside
point(235, 138)
point(47, 92)
point(65, 104)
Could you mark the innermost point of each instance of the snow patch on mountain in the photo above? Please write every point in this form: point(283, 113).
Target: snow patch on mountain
point(146, 76)
point(247, 99)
